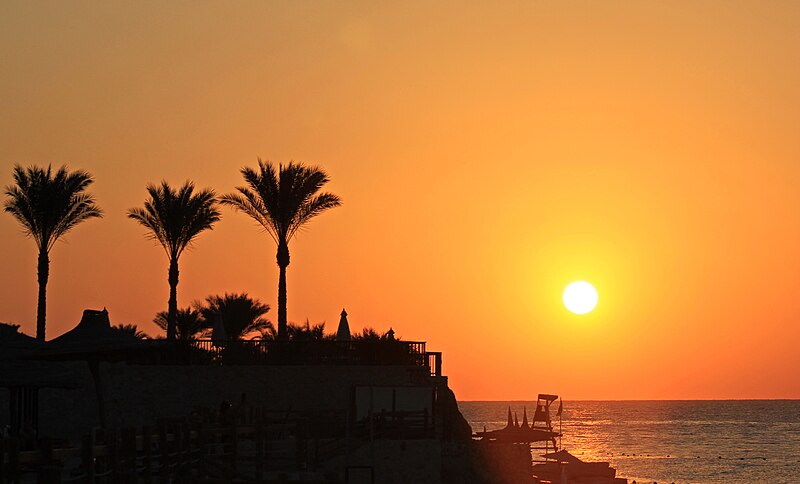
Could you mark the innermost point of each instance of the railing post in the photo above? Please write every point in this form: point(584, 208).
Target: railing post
point(3, 460)
point(163, 448)
point(49, 472)
point(127, 455)
point(112, 454)
point(147, 448)
point(87, 458)
point(12, 468)
point(234, 452)
point(259, 436)
point(201, 450)
point(179, 461)
point(4, 477)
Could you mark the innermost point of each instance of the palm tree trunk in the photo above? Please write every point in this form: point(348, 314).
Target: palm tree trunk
point(41, 310)
point(172, 312)
point(283, 263)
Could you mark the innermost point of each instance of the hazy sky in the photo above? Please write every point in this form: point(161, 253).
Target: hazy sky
point(487, 155)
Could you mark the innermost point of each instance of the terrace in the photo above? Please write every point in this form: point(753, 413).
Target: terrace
point(319, 352)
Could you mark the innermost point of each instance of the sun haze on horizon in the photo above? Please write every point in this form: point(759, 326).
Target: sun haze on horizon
point(488, 154)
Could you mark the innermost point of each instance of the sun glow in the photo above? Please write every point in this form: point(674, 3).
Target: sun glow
point(580, 297)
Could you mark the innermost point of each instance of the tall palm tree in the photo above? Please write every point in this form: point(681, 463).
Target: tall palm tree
point(241, 314)
point(189, 323)
point(49, 205)
point(282, 200)
point(174, 218)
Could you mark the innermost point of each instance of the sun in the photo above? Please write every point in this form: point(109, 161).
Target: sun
point(580, 297)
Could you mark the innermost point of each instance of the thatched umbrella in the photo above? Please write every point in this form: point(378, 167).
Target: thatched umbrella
point(343, 333)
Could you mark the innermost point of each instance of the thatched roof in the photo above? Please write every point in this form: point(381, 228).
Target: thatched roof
point(15, 345)
point(92, 335)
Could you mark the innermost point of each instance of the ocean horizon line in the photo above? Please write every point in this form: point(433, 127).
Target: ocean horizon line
point(645, 400)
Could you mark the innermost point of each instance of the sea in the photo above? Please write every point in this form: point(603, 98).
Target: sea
point(696, 441)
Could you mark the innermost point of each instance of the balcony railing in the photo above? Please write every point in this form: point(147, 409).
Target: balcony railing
point(359, 352)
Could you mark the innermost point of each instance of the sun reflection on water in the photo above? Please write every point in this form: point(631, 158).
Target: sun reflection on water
point(681, 441)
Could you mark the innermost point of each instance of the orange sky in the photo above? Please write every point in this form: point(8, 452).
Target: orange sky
point(486, 155)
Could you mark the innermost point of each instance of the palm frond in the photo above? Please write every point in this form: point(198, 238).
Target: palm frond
point(189, 325)
point(130, 329)
point(241, 315)
point(49, 205)
point(311, 208)
point(174, 218)
point(282, 199)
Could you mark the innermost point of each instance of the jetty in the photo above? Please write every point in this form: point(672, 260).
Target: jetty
point(549, 463)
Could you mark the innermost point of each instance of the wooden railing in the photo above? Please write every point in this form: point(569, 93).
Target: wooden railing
point(359, 352)
point(434, 362)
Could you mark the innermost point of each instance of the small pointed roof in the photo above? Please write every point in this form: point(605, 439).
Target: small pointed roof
point(510, 419)
point(343, 333)
point(525, 417)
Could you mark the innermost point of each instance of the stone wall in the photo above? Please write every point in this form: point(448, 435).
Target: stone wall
point(394, 462)
point(479, 462)
point(136, 395)
point(70, 412)
point(63, 412)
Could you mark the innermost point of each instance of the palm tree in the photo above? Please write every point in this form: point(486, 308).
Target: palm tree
point(282, 201)
point(368, 334)
point(300, 332)
point(240, 314)
point(48, 206)
point(309, 332)
point(189, 323)
point(130, 330)
point(174, 218)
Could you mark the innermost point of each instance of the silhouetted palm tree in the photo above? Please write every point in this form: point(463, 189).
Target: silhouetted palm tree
point(48, 206)
point(282, 201)
point(174, 218)
point(301, 332)
point(308, 332)
point(368, 334)
point(189, 323)
point(241, 314)
point(130, 329)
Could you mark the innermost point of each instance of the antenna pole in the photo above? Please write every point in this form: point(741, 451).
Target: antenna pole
point(560, 434)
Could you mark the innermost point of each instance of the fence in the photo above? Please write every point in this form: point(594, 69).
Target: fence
point(250, 445)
